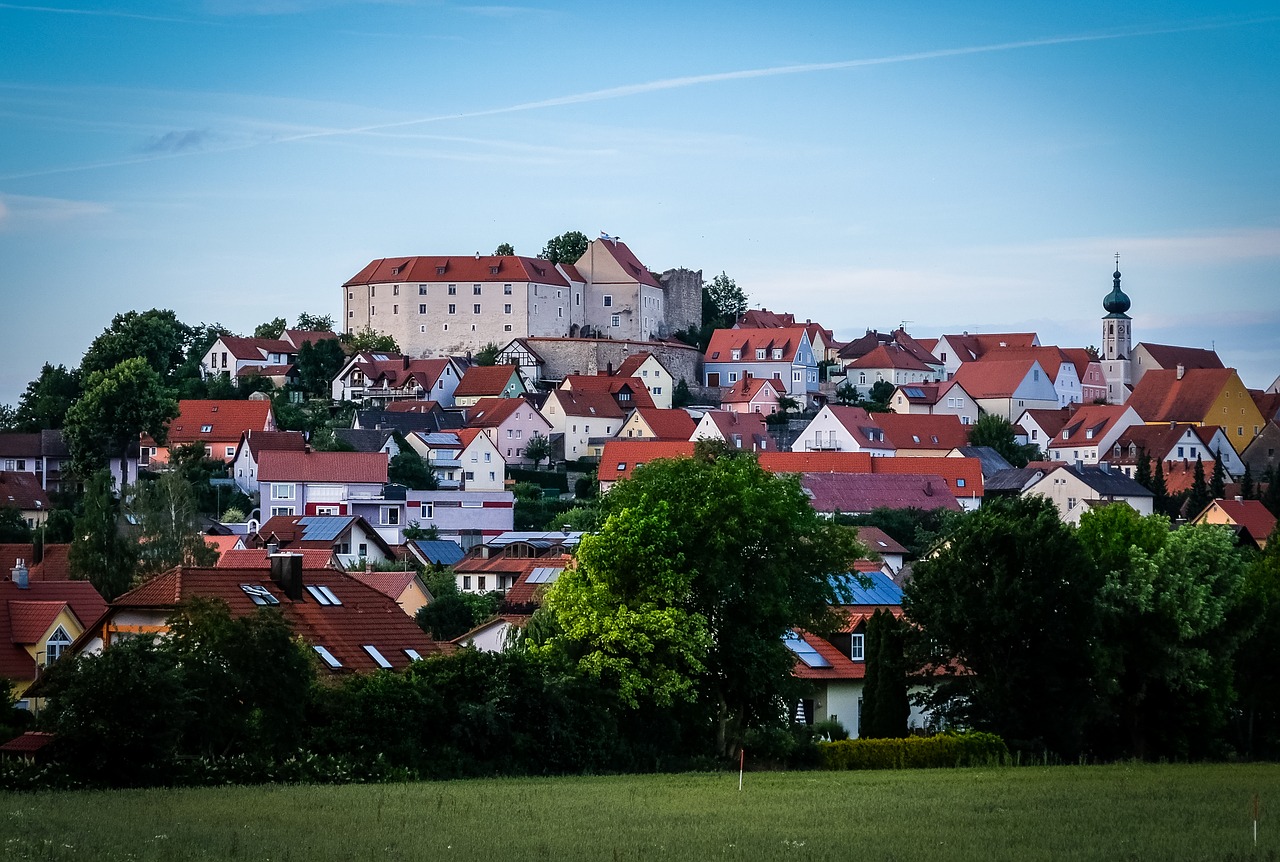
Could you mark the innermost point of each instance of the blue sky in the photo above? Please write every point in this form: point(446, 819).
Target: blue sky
point(959, 166)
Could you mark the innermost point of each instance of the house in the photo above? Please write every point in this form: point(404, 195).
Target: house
point(962, 477)
point(624, 300)
point(47, 563)
point(390, 378)
point(954, 351)
point(488, 381)
point(351, 626)
point(888, 364)
point(230, 355)
point(433, 553)
point(1091, 432)
point(945, 398)
point(1039, 427)
point(739, 430)
point(1251, 521)
point(465, 459)
point(495, 634)
point(22, 492)
point(529, 559)
point(655, 376)
point(466, 518)
point(656, 424)
point(510, 423)
point(39, 620)
point(1165, 357)
point(1007, 387)
point(1093, 383)
point(405, 588)
point(1173, 443)
point(585, 419)
point(628, 392)
point(218, 424)
point(844, 429)
point(319, 483)
point(369, 440)
point(991, 461)
point(1260, 455)
point(921, 350)
point(783, 355)
point(859, 493)
point(917, 435)
point(260, 558)
point(1066, 380)
point(883, 546)
point(1268, 403)
point(1199, 396)
point(425, 416)
point(1074, 489)
point(244, 465)
point(753, 395)
point(352, 540)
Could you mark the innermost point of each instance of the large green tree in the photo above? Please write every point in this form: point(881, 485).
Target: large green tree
point(169, 519)
point(273, 328)
point(701, 567)
point(117, 407)
point(997, 432)
point(568, 247)
point(885, 708)
point(723, 302)
point(156, 336)
point(369, 339)
point(318, 363)
point(101, 551)
point(46, 400)
point(1004, 611)
point(1258, 660)
point(315, 322)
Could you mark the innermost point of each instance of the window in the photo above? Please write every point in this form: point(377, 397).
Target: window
point(286, 511)
point(857, 645)
point(390, 515)
point(733, 377)
point(475, 290)
point(206, 429)
point(395, 290)
point(328, 510)
point(412, 654)
point(376, 656)
point(466, 582)
point(422, 290)
point(959, 483)
point(323, 595)
point(506, 327)
point(475, 309)
point(506, 309)
point(372, 290)
point(480, 583)
point(453, 290)
point(373, 310)
point(760, 351)
point(259, 595)
point(615, 320)
point(56, 645)
point(608, 301)
point(506, 290)
point(428, 510)
point(328, 657)
point(777, 353)
point(422, 308)
point(453, 309)
point(282, 490)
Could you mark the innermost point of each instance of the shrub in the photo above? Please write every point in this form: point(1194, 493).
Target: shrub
point(916, 752)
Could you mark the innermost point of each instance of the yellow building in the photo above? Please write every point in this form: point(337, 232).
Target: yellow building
point(1199, 396)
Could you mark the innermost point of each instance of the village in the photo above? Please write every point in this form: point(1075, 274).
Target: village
point(414, 483)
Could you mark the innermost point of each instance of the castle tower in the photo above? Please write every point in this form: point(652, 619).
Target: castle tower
point(1117, 342)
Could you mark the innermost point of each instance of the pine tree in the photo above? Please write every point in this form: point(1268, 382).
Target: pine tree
point(1246, 484)
point(1142, 475)
point(1271, 496)
point(1218, 484)
point(868, 715)
point(1159, 490)
point(1199, 498)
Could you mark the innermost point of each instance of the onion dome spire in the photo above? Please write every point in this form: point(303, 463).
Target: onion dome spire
point(1116, 302)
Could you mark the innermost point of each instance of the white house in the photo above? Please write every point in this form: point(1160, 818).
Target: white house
point(843, 429)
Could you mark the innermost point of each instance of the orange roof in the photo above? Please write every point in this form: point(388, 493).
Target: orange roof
point(486, 380)
point(630, 366)
point(621, 457)
point(667, 424)
point(221, 544)
point(748, 389)
point(226, 420)
point(627, 391)
point(363, 467)
point(390, 584)
point(818, 462)
point(1050, 358)
point(30, 619)
point(993, 378)
point(256, 558)
point(458, 268)
point(748, 341)
point(923, 430)
point(842, 667)
point(1161, 397)
point(23, 611)
point(962, 475)
point(1096, 418)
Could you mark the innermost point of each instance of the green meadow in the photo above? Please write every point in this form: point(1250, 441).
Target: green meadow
point(1097, 812)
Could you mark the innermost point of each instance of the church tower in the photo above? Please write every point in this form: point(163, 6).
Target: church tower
point(1117, 342)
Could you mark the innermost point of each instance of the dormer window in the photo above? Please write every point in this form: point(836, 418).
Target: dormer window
point(777, 353)
point(760, 351)
point(735, 355)
point(493, 270)
point(440, 270)
point(1088, 434)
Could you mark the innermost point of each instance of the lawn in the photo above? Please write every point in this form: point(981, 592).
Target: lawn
point(1107, 812)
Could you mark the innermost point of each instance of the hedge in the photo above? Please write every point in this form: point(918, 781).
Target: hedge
point(916, 752)
point(543, 478)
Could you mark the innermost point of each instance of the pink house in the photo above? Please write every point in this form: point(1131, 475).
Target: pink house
point(752, 395)
point(509, 423)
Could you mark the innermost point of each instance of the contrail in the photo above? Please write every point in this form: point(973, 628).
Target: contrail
point(674, 84)
point(97, 13)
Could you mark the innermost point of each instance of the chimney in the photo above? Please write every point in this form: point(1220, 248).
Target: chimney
point(286, 571)
point(19, 575)
point(1182, 369)
point(273, 548)
point(1239, 498)
point(406, 363)
point(477, 255)
point(608, 369)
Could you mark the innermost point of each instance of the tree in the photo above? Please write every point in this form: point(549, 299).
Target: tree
point(1199, 498)
point(8, 418)
point(47, 399)
point(1247, 489)
point(568, 247)
point(100, 552)
point(505, 249)
point(315, 322)
point(1009, 597)
point(1218, 481)
point(487, 355)
point(318, 363)
point(1258, 661)
point(368, 339)
point(787, 404)
point(847, 395)
point(537, 448)
point(170, 530)
point(879, 396)
point(117, 407)
point(680, 395)
point(273, 328)
point(13, 527)
point(1159, 490)
point(885, 709)
point(702, 565)
point(155, 336)
point(997, 432)
point(192, 462)
point(1142, 473)
point(409, 469)
point(723, 302)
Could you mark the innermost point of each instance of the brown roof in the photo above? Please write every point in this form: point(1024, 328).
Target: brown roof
point(255, 348)
point(1268, 403)
point(1096, 418)
point(1158, 441)
point(862, 492)
point(22, 491)
point(748, 388)
point(976, 345)
point(668, 424)
point(1169, 357)
point(390, 584)
point(458, 268)
point(630, 264)
point(366, 467)
point(28, 743)
point(19, 445)
point(889, 356)
point(485, 380)
point(879, 541)
point(413, 407)
point(631, 365)
point(750, 428)
point(1161, 397)
point(923, 430)
point(861, 426)
point(763, 318)
point(629, 392)
point(260, 441)
point(590, 404)
point(1050, 421)
point(53, 567)
point(256, 558)
point(725, 341)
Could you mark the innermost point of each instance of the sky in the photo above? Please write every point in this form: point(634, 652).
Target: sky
point(951, 166)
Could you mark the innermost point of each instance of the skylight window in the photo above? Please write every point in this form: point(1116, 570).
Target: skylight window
point(804, 651)
point(259, 595)
point(323, 595)
point(205, 429)
point(412, 654)
point(328, 657)
point(377, 656)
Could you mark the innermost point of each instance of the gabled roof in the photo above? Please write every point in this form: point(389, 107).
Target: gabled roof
point(748, 341)
point(52, 567)
point(1161, 397)
point(364, 439)
point(1106, 482)
point(996, 378)
point(862, 492)
point(630, 366)
point(1252, 515)
point(19, 445)
point(626, 259)
point(407, 422)
point(492, 412)
point(817, 462)
point(921, 350)
point(365, 616)
point(880, 542)
point(398, 372)
point(1158, 441)
point(257, 558)
point(226, 420)
point(22, 491)
point(260, 441)
point(299, 337)
point(407, 406)
point(672, 424)
point(481, 381)
point(1080, 358)
point(400, 270)
point(359, 467)
point(962, 475)
point(992, 461)
point(588, 404)
point(923, 430)
point(629, 392)
point(1088, 425)
point(889, 356)
point(749, 428)
point(621, 457)
point(1268, 403)
point(748, 389)
point(974, 346)
point(25, 616)
point(837, 664)
point(927, 393)
point(1169, 357)
point(255, 348)
point(438, 551)
point(1050, 358)
point(390, 584)
point(533, 576)
point(1050, 421)
point(861, 427)
point(763, 318)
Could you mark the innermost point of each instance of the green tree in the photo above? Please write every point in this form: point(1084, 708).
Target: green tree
point(1258, 661)
point(885, 709)
point(538, 448)
point(46, 400)
point(1199, 498)
point(680, 395)
point(701, 567)
point(271, 329)
point(568, 247)
point(189, 380)
point(878, 397)
point(505, 249)
point(318, 363)
point(13, 527)
point(315, 322)
point(847, 395)
point(192, 462)
point(155, 336)
point(1247, 489)
point(408, 468)
point(487, 355)
point(997, 432)
point(8, 418)
point(1010, 597)
point(1218, 481)
point(369, 339)
point(1142, 473)
point(787, 404)
point(117, 407)
point(101, 553)
point(170, 529)
point(1160, 490)
point(723, 302)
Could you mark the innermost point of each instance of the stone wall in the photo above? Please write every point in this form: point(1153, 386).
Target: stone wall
point(683, 297)
point(564, 356)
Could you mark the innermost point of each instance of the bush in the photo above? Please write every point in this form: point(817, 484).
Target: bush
point(916, 752)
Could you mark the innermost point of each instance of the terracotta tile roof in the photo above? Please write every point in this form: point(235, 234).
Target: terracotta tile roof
point(1088, 425)
point(459, 268)
point(621, 457)
point(1050, 358)
point(1268, 403)
point(921, 350)
point(749, 428)
point(748, 341)
point(1158, 441)
point(28, 743)
point(862, 492)
point(589, 404)
point(668, 424)
point(53, 566)
point(361, 467)
point(299, 337)
point(879, 541)
point(226, 420)
point(266, 371)
point(397, 371)
point(748, 389)
point(763, 318)
point(1161, 397)
point(633, 387)
point(1170, 357)
point(630, 264)
point(993, 378)
point(492, 412)
point(222, 544)
point(22, 611)
point(365, 616)
point(817, 462)
point(29, 620)
point(842, 667)
point(860, 425)
point(1050, 421)
point(1251, 515)
point(390, 584)
point(889, 356)
point(256, 558)
point(963, 476)
point(976, 345)
point(22, 491)
point(261, 441)
point(630, 366)
point(1080, 358)
point(485, 381)
point(407, 406)
point(930, 393)
point(521, 591)
point(923, 430)
point(255, 348)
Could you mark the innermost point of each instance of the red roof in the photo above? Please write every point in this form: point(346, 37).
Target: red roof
point(962, 475)
point(52, 568)
point(1050, 421)
point(743, 430)
point(890, 356)
point(763, 318)
point(362, 467)
point(260, 441)
point(1158, 441)
point(1080, 358)
point(29, 620)
point(390, 584)
point(256, 558)
point(413, 407)
point(748, 389)
point(486, 381)
point(1050, 358)
point(255, 348)
point(994, 378)
point(492, 412)
point(365, 616)
point(630, 264)
point(22, 491)
point(748, 341)
point(630, 366)
point(399, 270)
point(590, 404)
point(668, 424)
point(1096, 418)
point(930, 393)
point(879, 541)
point(621, 457)
point(817, 462)
point(26, 614)
point(976, 345)
point(860, 425)
point(1161, 397)
point(28, 743)
point(226, 420)
point(842, 667)
point(1170, 357)
point(923, 430)
point(1268, 403)
point(1251, 515)
point(629, 392)
point(862, 492)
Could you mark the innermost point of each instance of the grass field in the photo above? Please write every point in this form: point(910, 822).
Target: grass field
point(1110, 812)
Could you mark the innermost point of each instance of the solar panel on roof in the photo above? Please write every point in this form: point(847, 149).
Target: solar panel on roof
point(880, 589)
point(804, 650)
point(914, 392)
point(544, 575)
point(322, 528)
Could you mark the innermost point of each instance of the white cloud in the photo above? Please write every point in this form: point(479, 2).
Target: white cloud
point(19, 211)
